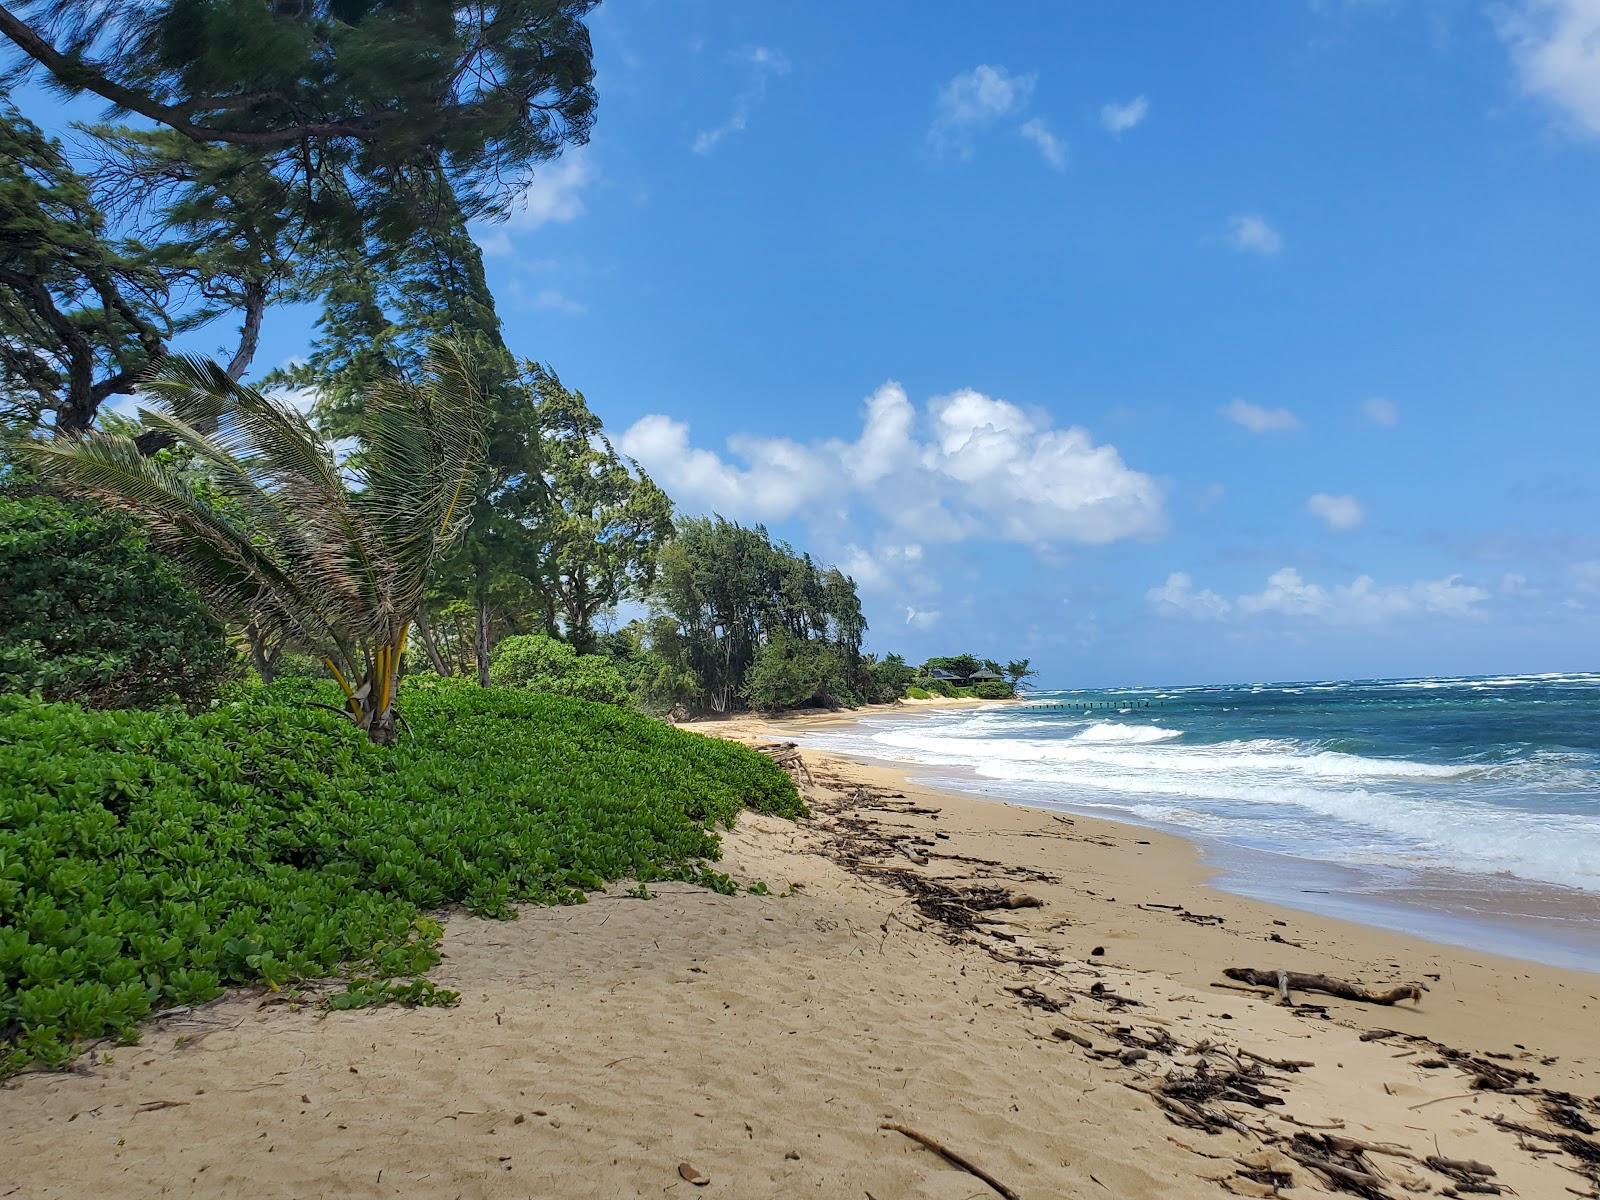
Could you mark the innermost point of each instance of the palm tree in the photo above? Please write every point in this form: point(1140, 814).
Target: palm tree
point(273, 529)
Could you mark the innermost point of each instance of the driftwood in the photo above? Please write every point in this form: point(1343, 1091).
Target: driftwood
point(787, 756)
point(952, 1157)
point(1285, 981)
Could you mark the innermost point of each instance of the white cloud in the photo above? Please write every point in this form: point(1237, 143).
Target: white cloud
point(887, 569)
point(1257, 419)
point(1251, 234)
point(1514, 583)
point(1177, 598)
point(1381, 412)
point(1119, 118)
point(1363, 600)
point(972, 102)
point(1342, 514)
point(301, 399)
point(552, 300)
point(782, 477)
point(969, 466)
point(1555, 48)
point(1289, 595)
point(555, 194)
point(919, 618)
point(762, 64)
point(1051, 148)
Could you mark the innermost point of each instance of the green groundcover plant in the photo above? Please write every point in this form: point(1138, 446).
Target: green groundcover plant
point(150, 859)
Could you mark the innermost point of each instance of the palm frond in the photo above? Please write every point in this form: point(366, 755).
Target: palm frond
point(330, 559)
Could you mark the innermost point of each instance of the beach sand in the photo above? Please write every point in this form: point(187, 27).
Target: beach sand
point(763, 1041)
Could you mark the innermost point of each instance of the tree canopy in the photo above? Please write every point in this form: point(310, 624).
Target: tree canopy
point(350, 101)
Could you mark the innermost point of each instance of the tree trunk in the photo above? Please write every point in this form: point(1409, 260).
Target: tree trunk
point(425, 635)
point(481, 643)
point(255, 303)
point(266, 661)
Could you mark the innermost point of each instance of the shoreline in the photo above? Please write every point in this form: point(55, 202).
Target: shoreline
point(1044, 994)
point(1521, 920)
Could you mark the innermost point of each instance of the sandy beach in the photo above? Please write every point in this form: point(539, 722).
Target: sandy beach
point(1042, 996)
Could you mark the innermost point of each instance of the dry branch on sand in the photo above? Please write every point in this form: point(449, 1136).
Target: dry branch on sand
point(1287, 981)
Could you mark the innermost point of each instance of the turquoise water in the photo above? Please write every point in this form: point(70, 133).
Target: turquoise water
point(1479, 796)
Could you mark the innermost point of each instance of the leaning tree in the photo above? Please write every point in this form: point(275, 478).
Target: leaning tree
point(350, 100)
point(327, 556)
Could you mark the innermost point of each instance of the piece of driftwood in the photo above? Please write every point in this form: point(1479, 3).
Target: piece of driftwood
point(1077, 1039)
point(950, 1156)
point(1285, 981)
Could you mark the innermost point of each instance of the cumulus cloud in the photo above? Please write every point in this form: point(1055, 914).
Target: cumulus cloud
point(971, 103)
point(1117, 119)
point(1250, 234)
point(555, 194)
point(1290, 596)
point(967, 466)
point(1257, 419)
point(1364, 600)
point(762, 64)
point(1381, 412)
point(1555, 49)
point(890, 568)
point(1177, 597)
point(1342, 514)
point(1051, 148)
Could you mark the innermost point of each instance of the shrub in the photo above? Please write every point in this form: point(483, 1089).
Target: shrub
point(887, 681)
point(788, 672)
point(939, 687)
point(918, 693)
point(543, 664)
point(993, 689)
point(89, 613)
point(152, 858)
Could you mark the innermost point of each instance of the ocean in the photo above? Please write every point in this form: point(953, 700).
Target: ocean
point(1465, 810)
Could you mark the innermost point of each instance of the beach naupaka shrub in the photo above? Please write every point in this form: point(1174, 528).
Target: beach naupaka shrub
point(89, 613)
point(149, 859)
point(543, 664)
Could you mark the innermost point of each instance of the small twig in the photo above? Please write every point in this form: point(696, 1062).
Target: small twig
point(951, 1156)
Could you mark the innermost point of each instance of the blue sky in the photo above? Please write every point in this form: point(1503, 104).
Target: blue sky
point(1155, 342)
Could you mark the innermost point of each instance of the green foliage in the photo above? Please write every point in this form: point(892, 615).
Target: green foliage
point(82, 313)
point(1019, 669)
point(993, 689)
point(603, 521)
point(918, 693)
point(330, 557)
point(346, 101)
point(89, 613)
point(957, 664)
point(886, 681)
point(723, 592)
point(543, 664)
point(939, 687)
point(153, 858)
point(788, 673)
point(375, 993)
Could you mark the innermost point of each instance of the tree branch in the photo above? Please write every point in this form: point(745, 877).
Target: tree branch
point(82, 73)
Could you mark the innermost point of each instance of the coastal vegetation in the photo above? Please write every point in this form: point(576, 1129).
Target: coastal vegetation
point(90, 613)
point(278, 679)
point(151, 858)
